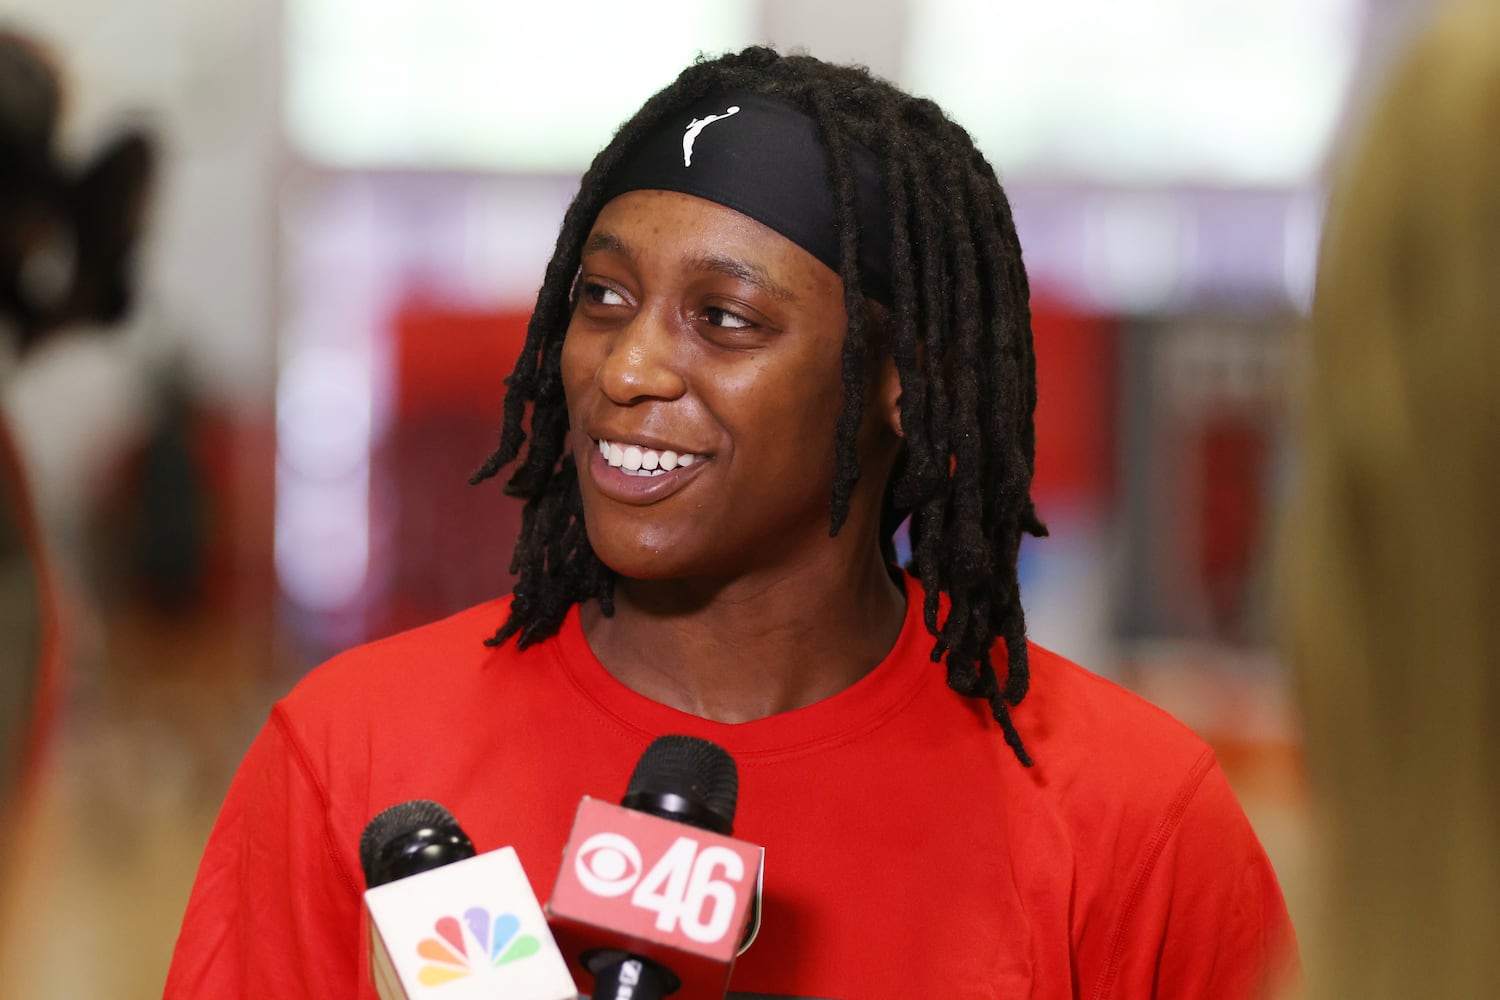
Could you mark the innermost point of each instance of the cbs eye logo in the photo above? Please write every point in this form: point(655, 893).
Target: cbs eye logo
point(608, 864)
point(688, 888)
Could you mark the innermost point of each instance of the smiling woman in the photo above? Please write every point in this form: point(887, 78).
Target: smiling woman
point(785, 312)
point(704, 333)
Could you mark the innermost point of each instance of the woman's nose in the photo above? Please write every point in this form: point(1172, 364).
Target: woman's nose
point(641, 362)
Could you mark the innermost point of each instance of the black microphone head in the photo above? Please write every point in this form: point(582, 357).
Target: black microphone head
point(687, 780)
point(411, 838)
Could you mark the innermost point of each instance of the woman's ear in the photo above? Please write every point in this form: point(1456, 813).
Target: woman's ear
point(884, 395)
point(886, 398)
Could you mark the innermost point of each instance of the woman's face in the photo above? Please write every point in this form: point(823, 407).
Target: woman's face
point(702, 373)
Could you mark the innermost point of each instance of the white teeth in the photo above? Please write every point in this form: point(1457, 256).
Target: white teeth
point(634, 460)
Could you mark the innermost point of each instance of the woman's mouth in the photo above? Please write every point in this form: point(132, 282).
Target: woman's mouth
point(632, 473)
point(638, 460)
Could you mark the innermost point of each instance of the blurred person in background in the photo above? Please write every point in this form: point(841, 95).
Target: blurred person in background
point(66, 241)
point(786, 310)
point(1392, 550)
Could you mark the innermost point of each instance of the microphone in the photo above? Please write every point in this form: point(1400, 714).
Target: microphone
point(442, 915)
point(654, 897)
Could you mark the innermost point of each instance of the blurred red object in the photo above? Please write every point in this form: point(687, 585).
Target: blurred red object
point(1076, 405)
point(1232, 461)
point(454, 362)
point(439, 543)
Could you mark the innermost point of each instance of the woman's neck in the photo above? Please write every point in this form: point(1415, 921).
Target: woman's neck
point(759, 645)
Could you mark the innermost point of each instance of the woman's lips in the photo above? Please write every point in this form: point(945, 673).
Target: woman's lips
point(644, 460)
point(640, 475)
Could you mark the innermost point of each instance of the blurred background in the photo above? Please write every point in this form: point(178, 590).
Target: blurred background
point(353, 206)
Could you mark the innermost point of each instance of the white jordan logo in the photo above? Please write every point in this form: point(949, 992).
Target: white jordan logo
point(698, 125)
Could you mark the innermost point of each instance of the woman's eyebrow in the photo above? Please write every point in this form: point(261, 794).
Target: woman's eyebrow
point(745, 271)
point(604, 241)
point(608, 242)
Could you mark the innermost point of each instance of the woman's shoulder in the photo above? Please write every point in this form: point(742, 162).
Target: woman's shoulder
point(1104, 743)
point(433, 663)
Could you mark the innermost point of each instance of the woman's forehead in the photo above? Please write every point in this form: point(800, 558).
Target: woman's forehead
point(675, 229)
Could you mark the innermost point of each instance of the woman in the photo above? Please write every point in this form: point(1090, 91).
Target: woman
point(786, 311)
point(1391, 552)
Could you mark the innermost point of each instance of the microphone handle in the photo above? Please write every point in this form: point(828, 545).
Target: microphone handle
point(630, 977)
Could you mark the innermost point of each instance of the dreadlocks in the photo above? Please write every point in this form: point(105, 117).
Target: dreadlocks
point(958, 329)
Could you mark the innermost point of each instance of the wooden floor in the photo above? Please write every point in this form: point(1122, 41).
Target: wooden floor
point(94, 891)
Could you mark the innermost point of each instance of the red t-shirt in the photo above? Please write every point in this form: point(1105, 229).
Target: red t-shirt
point(908, 853)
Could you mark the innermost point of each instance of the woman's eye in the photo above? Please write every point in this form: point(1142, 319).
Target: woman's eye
point(602, 294)
point(726, 319)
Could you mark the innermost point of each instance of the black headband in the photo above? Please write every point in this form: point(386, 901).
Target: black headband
point(764, 159)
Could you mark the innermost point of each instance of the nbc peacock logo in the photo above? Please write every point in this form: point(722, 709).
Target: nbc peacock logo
point(490, 943)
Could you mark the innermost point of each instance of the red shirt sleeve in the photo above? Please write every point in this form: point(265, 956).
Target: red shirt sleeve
point(274, 911)
point(1204, 915)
